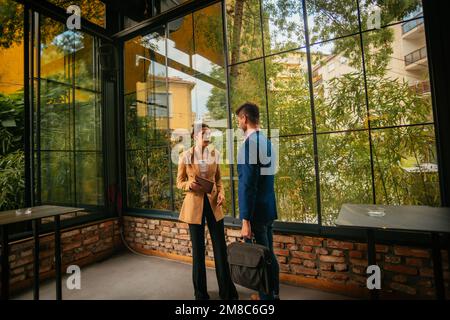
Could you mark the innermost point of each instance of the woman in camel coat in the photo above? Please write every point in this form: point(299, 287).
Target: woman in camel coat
point(202, 160)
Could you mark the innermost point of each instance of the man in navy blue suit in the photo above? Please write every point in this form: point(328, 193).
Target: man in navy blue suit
point(257, 206)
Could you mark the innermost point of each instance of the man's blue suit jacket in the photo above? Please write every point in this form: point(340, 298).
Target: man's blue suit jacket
point(256, 179)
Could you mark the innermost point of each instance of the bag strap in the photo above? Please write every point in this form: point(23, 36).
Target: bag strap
point(253, 239)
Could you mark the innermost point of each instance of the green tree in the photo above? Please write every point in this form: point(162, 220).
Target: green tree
point(11, 151)
point(340, 103)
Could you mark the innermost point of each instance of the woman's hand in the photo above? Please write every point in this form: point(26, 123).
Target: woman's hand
point(220, 199)
point(195, 186)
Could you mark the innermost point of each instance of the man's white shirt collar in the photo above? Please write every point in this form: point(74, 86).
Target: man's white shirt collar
point(249, 132)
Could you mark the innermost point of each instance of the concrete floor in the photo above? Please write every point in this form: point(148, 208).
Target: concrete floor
point(127, 276)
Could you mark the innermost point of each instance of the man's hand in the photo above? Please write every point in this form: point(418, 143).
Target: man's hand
point(246, 231)
point(195, 186)
point(220, 199)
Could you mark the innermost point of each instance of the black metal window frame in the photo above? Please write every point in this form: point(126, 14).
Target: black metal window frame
point(72, 86)
point(121, 36)
point(32, 181)
point(285, 227)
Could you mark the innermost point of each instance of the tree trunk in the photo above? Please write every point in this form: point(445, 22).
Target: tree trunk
point(236, 40)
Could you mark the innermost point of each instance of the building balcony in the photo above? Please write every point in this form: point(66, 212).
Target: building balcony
point(416, 60)
point(413, 29)
point(421, 88)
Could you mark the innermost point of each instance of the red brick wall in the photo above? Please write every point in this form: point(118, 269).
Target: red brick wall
point(81, 246)
point(323, 263)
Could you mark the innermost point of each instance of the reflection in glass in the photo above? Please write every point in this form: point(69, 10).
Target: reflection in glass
point(157, 180)
point(345, 172)
point(89, 177)
point(170, 84)
point(147, 107)
point(136, 133)
point(56, 116)
point(92, 10)
point(197, 84)
point(164, 5)
point(148, 179)
point(405, 164)
point(86, 75)
point(137, 65)
point(70, 117)
point(244, 30)
point(87, 121)
point(57, 171)
point(12, 120)
point(56, 51)
point(137, 189)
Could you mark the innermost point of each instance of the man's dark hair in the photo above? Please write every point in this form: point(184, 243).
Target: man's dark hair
point(250, 110)
point(196, 127)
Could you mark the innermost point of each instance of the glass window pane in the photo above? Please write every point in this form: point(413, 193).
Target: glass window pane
point(87, 121)
point(295, 181)
point(89, 178)
point(208, 40)
point(135, 62)
point(57, 46)
point(157, 179)
point(86, 75)
point(339, 96)
point(57, 177)
point(56, 116)
point(137, 184)
point(247, 84)
point(148, 106)
point(164, 5)
point(136, 127)
point(148, 179)
point(12, 158)
point(92, 10)
point(283, 25)
point(153, 102)
point(345, 172)
point(377, 14)
point(405, 165)
point(288, 93)
point(69, 117)
point(398, 81)
point(153, 107)
point(146, 98)
point(331, 19)
point(226, 182)
point(196, 78)
point(178, 194)
point(244, 30)
point(197, 84)
point(11, 47)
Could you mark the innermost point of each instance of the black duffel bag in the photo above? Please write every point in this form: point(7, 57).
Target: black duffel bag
point(250, 265)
